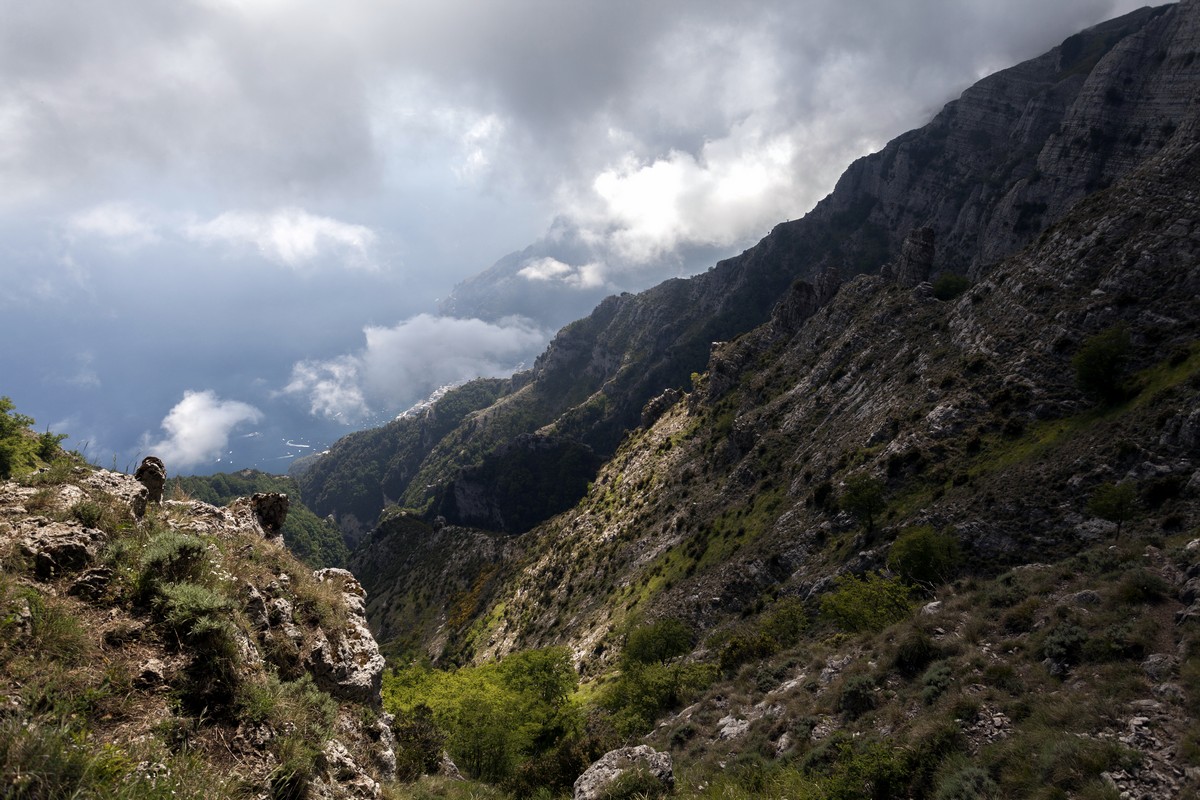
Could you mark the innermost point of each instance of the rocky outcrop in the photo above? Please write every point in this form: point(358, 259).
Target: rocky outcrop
point(271, 509)
point(152, 474)
point(347, 662)
point(643, 760)
point(199, 615)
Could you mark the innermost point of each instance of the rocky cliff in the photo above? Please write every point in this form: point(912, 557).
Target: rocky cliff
point(177, 649)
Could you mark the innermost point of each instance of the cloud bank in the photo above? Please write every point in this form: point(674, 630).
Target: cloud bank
point(405, 363)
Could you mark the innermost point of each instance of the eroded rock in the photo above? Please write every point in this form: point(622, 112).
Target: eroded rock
point(600, 776)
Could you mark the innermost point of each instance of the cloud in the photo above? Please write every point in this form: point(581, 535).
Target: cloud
point(119, 222)
point(548, 269)
point(402, 364)
point(198, 429)
point(332, 388)
point(289, 236)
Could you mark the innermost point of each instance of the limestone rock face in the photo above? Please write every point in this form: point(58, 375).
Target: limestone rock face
point(347, 663)
point(599, 777)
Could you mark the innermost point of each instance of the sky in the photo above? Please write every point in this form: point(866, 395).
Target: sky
point(226, 225)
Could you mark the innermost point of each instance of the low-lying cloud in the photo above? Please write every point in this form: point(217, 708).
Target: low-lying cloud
point(198, 429)
point(289, 236)
point(405, 363)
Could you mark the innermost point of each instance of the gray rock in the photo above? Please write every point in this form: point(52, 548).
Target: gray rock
point(597, 779)
point(270, 509)
point(346, 662)
point(1159, 667)
point(91, 584)
point(151, 673)
point(340, 777)
point(916, 258)
point(58, 548)
point(152, 474)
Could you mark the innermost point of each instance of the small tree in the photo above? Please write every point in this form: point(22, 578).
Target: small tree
point(922, 555)
point(1114, 502)
point(657, 643)
point(1100, 364)
point(17, 444)
point(863, 497)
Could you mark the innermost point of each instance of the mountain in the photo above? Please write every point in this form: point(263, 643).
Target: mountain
point(981, 180)
point(924, 521)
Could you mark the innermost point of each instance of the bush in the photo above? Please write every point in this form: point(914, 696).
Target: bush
point(913, 653)
point(170, 557)
point(857, 696)
point(1064, 643)
point(1100, 364)
point(1140, 585)
point(936, 681)
point(658, 642)
point(867, 603)
point(923, 556)
point(968, 783)
point(949, 286)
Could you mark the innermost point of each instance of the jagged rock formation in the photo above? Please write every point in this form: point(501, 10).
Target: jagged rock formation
point(152, 474)
point(992, 171)
point(215, 632)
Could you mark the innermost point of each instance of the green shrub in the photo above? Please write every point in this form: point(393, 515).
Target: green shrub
point(1140, 585)
point(914, 652)
point(658, 642)
point(1064, 643)
point(867, 603)
point(968, 783)
point(419, 743)
point(922, 556)
point(949, 286)
point(18, 445)
point(1100, 364)
point(170, 557)
point(936, 681)
point(635, 784)
point(857, 696)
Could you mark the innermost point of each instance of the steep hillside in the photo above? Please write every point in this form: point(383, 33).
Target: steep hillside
point(966, 413)
point(984, 178)
point(176, 650)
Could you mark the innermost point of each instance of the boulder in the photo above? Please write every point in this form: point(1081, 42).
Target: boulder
point(58, 548)
point(270, 509)
point(152, 474)
point(595, 782)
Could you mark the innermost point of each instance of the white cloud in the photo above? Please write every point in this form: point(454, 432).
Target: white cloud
point(586, 276)
point(331, 386)
point(116, 221)
point(198, 429)
point(289, 236)
point(406, 362)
